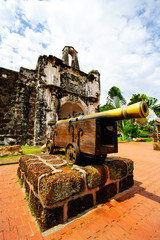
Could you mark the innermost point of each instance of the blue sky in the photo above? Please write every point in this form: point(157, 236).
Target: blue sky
point(119, 38)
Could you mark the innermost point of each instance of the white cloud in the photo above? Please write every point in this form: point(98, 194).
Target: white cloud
point(118, 37)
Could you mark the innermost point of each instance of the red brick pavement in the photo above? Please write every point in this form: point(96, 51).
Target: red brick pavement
point(16, 222)
point(135, 215)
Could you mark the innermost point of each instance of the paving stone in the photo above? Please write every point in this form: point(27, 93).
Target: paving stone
point(11, 235)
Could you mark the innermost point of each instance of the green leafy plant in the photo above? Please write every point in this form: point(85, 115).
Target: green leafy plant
point(20, 182)
point(30, 208)
point(27, 196)
point(70, 166)
point(130, 129)
point(143, 134)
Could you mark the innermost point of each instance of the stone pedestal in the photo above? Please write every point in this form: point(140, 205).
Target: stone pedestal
point(58, 192)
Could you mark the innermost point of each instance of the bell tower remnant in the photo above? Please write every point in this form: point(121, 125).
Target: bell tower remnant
point(68, 50)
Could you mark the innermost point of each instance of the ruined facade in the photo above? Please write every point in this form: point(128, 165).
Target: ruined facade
point(31, 101)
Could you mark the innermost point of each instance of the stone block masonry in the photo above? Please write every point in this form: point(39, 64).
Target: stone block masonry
point(17, 106)
point(8, 91)
point(58, 192)
point(31, 101)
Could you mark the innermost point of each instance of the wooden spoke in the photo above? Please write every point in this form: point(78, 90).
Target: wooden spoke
point(50, 146)
point(72, 153)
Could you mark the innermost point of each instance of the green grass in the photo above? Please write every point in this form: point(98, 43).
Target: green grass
point(123, 139)
point(31, 149)
point(26, 150)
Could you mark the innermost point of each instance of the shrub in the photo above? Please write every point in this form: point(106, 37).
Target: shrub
point(143, 134)
point(129, 129)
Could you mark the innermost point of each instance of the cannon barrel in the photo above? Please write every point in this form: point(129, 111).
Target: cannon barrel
point(137, 110)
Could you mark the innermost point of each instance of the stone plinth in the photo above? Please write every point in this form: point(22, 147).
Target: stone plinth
point(58, 192)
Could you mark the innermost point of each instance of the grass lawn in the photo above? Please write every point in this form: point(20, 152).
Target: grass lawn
point(123, 139)
point(26, 150)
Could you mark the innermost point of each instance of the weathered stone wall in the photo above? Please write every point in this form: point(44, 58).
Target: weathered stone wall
point(17, 106)
point(31, 101)
point(8, 91)
point(25, 106)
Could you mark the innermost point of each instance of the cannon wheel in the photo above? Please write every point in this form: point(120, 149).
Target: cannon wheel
point(72, 153)
point(50, 146)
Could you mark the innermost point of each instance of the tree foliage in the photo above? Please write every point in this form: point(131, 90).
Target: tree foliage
point(137, 98)
point(115, 91)
point(151, 102)
point(130, 129)
point(156, 109)
point(114, 99)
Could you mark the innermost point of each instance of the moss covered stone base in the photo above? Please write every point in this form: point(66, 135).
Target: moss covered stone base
point(58, 192)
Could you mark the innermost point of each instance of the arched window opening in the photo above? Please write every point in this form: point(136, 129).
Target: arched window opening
point(69, 60)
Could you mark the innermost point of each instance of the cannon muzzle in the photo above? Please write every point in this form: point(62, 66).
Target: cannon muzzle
point(137, 110)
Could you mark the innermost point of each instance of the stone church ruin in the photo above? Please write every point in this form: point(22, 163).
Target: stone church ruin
point(31, 101)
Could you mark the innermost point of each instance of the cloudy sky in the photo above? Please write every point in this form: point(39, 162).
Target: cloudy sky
point(119, 38)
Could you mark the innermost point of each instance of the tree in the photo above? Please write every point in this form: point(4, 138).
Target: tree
point(137, 98)
point(114, 99)
point(152, 105)
point(156, 109)
point(107, 106)
point(151, 102)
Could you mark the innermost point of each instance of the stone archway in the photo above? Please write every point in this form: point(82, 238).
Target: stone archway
point(70, 109)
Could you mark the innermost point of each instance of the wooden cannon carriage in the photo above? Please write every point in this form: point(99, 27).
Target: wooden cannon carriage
point(94, 134)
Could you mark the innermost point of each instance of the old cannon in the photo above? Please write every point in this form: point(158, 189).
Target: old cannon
point(93, 134)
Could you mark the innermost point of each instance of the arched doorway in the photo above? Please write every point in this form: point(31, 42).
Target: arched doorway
point(70, 109)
